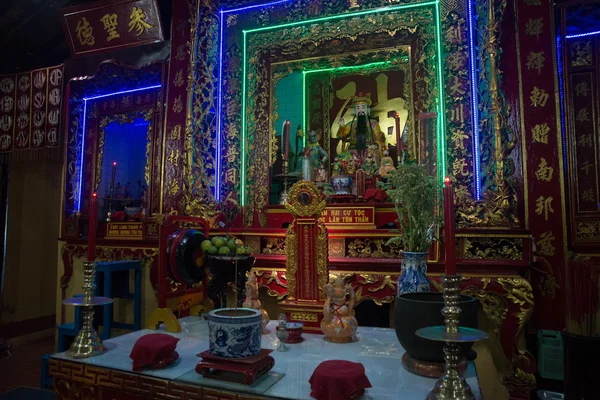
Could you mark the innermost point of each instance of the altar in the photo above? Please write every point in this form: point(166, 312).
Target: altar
point(110, 375)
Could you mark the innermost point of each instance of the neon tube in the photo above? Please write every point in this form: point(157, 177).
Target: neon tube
point(475, 108)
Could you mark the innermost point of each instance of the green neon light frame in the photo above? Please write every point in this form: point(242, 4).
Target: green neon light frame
point(312, 71)
point(441, 130)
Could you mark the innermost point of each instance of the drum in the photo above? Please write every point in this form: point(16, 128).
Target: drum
point(185, 256)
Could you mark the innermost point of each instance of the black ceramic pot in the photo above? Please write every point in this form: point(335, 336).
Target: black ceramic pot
point(413, 311)
point(581, 366)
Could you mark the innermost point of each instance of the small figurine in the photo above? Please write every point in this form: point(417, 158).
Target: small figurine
point(370, 164)
point(321, 174)
point(339, 324)
point(336, 167)
point(386, 165)
point(252, 300)
point(118, 194)
point(127, 194)
point(317, 155)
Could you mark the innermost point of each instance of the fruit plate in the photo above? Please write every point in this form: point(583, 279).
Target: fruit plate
point(230, 258)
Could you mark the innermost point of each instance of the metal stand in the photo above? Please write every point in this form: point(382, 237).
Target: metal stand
point(87, 343)
point(286, 177)
point(451, 385)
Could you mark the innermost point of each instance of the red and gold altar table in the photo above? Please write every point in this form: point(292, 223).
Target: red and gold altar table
point(110, 377)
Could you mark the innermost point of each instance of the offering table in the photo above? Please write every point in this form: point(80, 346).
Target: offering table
point(109, 376)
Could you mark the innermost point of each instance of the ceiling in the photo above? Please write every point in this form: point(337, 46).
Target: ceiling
point(31, 34)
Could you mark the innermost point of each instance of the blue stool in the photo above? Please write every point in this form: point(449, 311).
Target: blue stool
point(119, 288)
point(45, 379)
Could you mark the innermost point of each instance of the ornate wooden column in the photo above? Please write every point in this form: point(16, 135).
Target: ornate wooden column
point(306, 256)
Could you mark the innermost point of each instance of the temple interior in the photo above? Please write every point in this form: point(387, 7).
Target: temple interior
point(296, 199)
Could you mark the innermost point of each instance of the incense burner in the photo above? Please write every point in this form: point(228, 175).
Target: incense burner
point(235, 332)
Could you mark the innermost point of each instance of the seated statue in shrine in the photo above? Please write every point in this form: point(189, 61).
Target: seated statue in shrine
point(339, 324)
point(362, 132)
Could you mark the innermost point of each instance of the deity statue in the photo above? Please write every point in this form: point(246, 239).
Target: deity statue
point(386, 165)
point(118, 194)
point(369, 166)
point(339, 324)
point(318, 156)
point(252, 300)
point(362, 131)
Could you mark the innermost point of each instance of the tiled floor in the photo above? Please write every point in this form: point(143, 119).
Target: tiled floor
point(23, 367)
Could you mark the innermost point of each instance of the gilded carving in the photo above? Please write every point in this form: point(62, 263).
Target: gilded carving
point(274, 246)
point(493, 305)
point(315, 203)
point(581, 53)
point(588, 230)
point(493, 248)
point(121, 119)
point(387, 281)
point(377, 248)
point(322, 258)
point(291, 261)
point(337, 247)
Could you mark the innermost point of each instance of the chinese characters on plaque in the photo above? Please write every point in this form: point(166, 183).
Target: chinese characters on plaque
point(30, 107)
point(106, 26)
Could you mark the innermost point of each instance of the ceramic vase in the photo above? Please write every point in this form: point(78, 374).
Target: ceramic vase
point(342, 184)
point(413, 277)
point(235, 333)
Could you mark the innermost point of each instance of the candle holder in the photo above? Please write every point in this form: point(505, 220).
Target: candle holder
point(451, 385)
point(87, 343)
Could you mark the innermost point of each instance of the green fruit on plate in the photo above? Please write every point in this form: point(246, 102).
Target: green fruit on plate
point(205, 245)
point(239, 243)
point(219, 241)
point(213, 250)
point(248, 250)
point(231, 244)
point(240, 251)
point(224, 251)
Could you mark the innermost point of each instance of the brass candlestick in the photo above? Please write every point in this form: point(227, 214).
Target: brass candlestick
point(451, 386)
point(284, 194)
point(87, 343)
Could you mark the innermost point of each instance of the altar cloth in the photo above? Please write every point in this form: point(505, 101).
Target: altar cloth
point(377, 349)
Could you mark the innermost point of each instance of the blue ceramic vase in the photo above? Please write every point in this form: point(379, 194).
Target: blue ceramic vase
point(413, 277)
point(235, 333)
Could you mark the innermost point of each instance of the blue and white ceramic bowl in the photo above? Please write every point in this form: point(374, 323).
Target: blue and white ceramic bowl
point(235, 332)
point(342, 184)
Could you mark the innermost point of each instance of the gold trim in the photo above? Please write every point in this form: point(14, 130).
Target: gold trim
point(498, 236)
point(284, 211)
point(559, 136)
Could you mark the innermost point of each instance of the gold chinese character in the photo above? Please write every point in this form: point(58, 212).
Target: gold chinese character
point(178, 81)
point(540, 133)
point(457, 113)
point(111, 23)
point(534, 27)
point(538, 97)
point(174, 158)
point(231, 199)
point(173, 187)
point(586, 140)
point(583, 115)
point(588, 195)
point(543, 205)
point(548, 286)
point(178, 104)
point(459, 167)
point(137, 21)
point(456, 87)
point(232, 154)
point(586, 167)
point(544, 172)
point(138, 100)
point(581, 89)
point(458, 137)
point(125, 101)
point(85, 32)
point(353, 4)
point(546, 247)
point(454, 34)
point(231, 175)
point(180, 56)
point(536, 61)
point(176, 132)
point(462, 191)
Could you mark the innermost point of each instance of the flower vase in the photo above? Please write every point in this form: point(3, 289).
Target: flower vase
point(413, 277)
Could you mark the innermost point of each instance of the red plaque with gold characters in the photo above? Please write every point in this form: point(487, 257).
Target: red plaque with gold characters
point(111, 25)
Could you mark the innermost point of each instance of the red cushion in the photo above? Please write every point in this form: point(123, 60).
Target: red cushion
point(338, 380)
point(152, 348)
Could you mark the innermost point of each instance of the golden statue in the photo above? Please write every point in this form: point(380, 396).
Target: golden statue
point(339, 324)
point(252, 300)
point(362, 131)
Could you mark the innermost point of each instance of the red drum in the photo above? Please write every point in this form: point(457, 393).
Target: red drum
point(185, 257)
